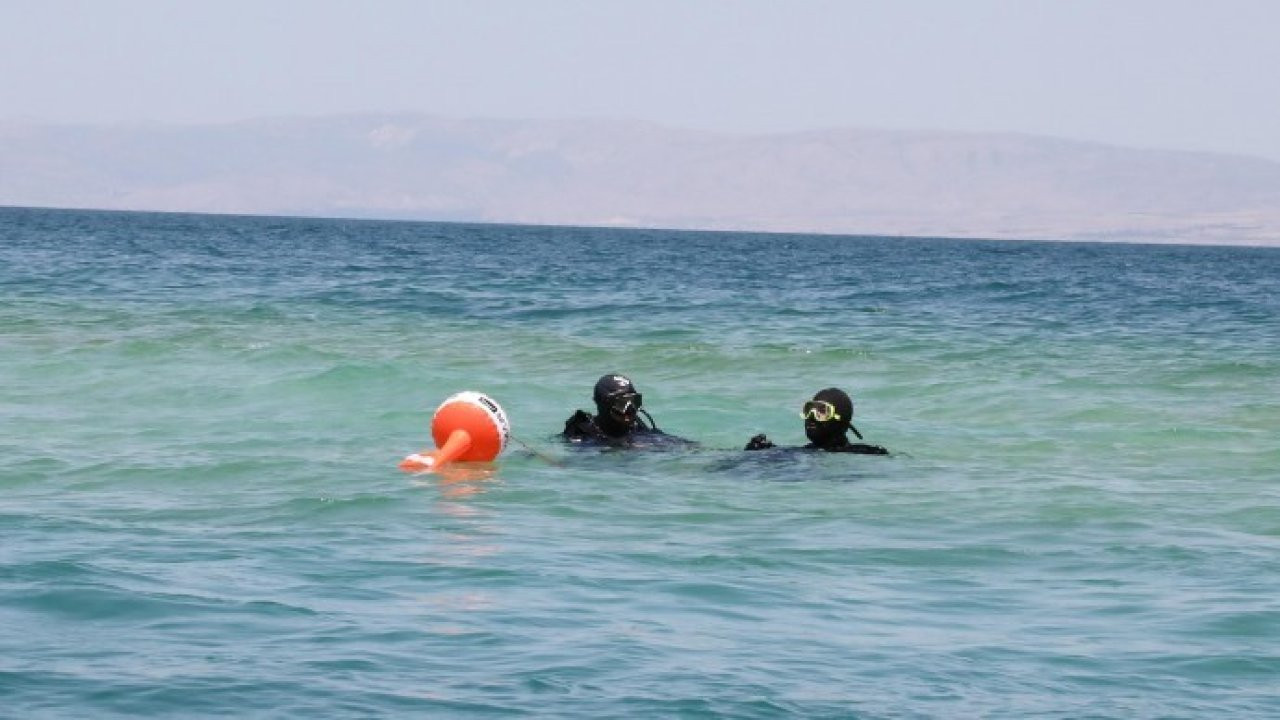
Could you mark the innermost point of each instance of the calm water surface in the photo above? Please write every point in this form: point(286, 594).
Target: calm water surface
point(200, 419)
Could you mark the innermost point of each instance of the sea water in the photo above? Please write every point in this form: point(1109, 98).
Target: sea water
point(201, 514)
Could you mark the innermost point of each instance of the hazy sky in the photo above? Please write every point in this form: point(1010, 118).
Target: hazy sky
point(1197, 75)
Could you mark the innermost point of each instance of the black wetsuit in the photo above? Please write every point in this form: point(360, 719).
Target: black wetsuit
point(760, 442)
point(583, 428)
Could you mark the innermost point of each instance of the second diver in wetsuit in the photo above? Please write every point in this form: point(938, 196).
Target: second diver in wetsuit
point(827, 419)
point(617, 421)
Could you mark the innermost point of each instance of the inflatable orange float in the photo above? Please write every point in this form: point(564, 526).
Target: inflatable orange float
point(467, 427)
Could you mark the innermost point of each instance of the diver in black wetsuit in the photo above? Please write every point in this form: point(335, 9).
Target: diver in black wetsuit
point(617, 420)
point(827, 417)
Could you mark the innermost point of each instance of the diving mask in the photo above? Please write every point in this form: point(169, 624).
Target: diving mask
point(819, 411)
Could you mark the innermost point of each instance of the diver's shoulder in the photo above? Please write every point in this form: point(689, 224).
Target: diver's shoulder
point(861, 449)
point(850, 448)
point(581, 425)
point(653, 435)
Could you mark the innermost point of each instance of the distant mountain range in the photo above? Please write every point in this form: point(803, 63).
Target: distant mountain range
point(618, 173)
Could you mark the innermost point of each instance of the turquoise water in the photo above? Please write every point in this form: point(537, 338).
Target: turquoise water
point(200, 419)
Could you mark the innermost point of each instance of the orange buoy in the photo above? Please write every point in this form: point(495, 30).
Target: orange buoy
point(467, 427)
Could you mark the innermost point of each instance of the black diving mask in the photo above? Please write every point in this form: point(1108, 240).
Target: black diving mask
point(625, 405)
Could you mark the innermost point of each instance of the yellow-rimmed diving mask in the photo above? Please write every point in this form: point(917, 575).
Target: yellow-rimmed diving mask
point(820, 411)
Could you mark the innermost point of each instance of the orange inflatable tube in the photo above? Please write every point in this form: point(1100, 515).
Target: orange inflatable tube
point(467, 427)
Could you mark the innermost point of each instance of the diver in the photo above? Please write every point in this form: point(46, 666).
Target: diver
point(617, 421)
point(827, 419)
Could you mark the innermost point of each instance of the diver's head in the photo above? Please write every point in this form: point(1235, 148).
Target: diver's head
point(827, 417)
point(617, 404)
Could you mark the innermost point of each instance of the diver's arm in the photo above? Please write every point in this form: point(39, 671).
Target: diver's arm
point(759, 442)
point(863, 449)
point(580, 425)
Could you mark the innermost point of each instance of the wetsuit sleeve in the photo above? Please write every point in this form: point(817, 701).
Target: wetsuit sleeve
point(653, 432)
point(862, 449)
point(759, 442)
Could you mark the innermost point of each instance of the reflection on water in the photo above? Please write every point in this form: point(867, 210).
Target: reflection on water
point(458, 480)
point(466, 531)
point(463, 539)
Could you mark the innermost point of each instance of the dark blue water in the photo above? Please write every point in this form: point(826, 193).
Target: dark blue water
point(200, 419)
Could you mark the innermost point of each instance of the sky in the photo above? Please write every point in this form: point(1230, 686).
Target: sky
point(1199, 75)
